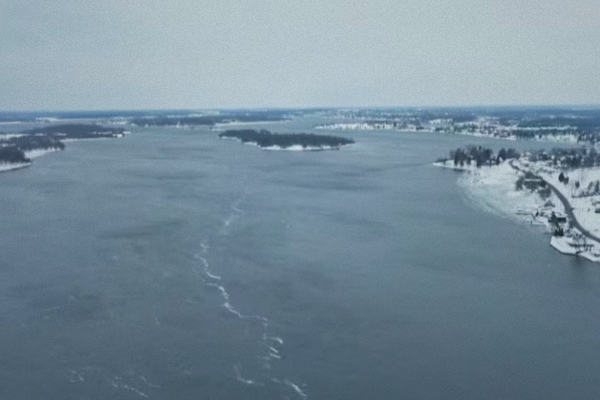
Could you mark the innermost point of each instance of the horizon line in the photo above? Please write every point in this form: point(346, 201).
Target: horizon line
point(384, 107)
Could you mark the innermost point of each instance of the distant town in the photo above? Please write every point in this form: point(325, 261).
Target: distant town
point(575, 125)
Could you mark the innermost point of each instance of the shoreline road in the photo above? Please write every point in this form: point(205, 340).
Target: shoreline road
point(567, 205)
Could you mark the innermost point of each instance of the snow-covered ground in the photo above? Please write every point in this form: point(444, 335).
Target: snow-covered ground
point(228, 124)
point(569, 245)
point(12, 166)
point(494, 189)
point(39, 152)
point(370, 126)
point(584, 200)
point(449, 164)
point(485, 135)
point(564, 138)
point(356, 126)
point(117, 136)
point(7, 136)
point(29, 154)
point(558, 138)
point(295, 147)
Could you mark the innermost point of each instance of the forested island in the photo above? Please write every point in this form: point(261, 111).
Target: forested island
point(211, 120)
point(291, 141)
point(77, 131)
point(17, 149)
point(12, 155)
point(34, 142)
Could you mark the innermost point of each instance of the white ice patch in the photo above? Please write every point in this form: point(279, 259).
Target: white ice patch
point(296, 388)
point(118, 383)
point(240, 378)
point(292, 385)
point(75, 376)
point(271, 344)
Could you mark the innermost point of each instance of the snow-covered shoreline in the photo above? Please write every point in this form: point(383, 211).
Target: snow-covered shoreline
point(221, 125)
point(494, 190)
point(296, 147)
point(31, 154)
point(563, 138)
point(117, 136)
point(484, 132)
point(40, 152)
point(5, 167)
point(370, 126)
point(570, 246)
point(583, 204)
point(36, 153)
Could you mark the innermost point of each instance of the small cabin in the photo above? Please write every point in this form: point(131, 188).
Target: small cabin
point(557, 218)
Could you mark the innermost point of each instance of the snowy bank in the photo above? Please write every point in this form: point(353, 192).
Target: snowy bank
point(494, 189)
point(13, 166)
point(573, 246)
point(4, 167)
point(295, 147)
point(584, 200)
point(40, 152)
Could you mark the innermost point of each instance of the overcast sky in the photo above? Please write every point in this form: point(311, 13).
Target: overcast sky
point(139, 54)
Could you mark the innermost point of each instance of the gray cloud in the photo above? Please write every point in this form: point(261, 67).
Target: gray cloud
point(69, 54)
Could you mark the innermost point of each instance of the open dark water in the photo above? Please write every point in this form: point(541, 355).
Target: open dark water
point(174, 265)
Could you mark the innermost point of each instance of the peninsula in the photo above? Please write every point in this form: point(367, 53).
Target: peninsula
point(559, 189)
point(17, 149)
point(286, 141)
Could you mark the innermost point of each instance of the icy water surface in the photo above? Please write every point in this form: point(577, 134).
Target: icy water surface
point(174, 265)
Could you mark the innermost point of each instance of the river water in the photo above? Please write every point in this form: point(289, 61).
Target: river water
point(175, 265)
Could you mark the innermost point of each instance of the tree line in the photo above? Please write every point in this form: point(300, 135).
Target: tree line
point(481, 156)
point(264, 138)
point(12, 154)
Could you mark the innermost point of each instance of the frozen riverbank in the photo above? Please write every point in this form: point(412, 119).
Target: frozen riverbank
point(580, 190)
point(295, 147)
point(40, 152)
point(4, 167)
point(494, 189)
